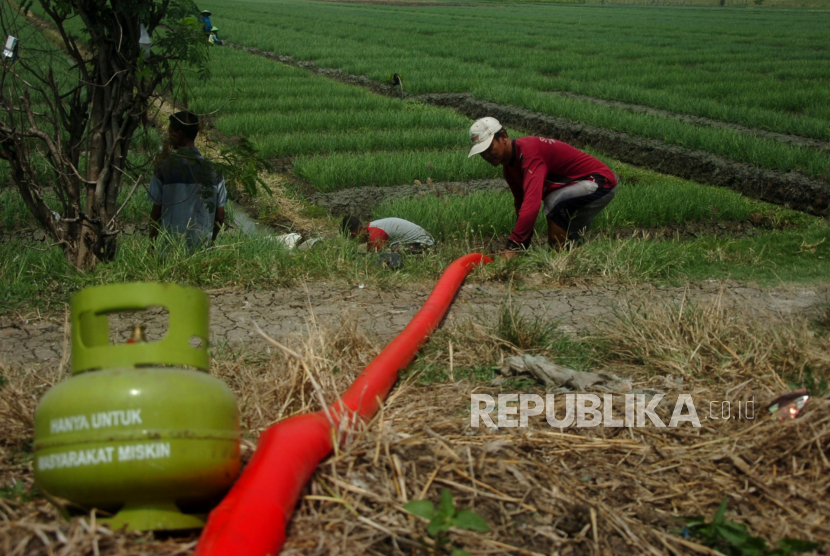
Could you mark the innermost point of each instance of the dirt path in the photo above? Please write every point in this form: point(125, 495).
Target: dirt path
point(792, 190)
point(31, 339)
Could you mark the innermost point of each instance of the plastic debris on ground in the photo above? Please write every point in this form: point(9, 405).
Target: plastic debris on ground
point(11, 48)
point(789, 405)
point(392, 261)
point(289, 241)
point(555, 376)
point(309, 243)
point(295, 241)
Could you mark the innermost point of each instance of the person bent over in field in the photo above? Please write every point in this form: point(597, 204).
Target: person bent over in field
point(569, 185)
point(394, 232)
point(214, 37)
point(188, 195)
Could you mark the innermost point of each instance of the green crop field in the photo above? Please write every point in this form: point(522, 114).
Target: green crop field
point(755, 69)
point(330, 127)
point(336, 136)
point(671, 201)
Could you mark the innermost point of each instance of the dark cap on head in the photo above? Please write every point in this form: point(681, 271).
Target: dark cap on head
point(186, 122)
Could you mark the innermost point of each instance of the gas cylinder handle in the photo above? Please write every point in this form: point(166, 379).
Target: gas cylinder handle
point(188, 311)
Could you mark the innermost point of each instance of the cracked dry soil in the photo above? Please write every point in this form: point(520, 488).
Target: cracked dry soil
point(34, 339)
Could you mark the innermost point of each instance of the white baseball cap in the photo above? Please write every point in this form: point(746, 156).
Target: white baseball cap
point(482, 133)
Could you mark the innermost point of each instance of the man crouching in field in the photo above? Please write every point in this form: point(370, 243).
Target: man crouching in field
point(188, 195)
point(573, 186)
point(394, 232)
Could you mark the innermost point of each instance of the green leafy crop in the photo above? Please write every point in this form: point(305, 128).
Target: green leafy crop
point(18, 492)
point(445, 516)
point(733, 539)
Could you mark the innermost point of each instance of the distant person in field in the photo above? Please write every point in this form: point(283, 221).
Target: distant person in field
point(570, 186)
point(394, 232)
point(214, 37)
point(207, 26)
point(188, 195)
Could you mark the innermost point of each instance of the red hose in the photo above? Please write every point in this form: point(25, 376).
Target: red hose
point(251, 519)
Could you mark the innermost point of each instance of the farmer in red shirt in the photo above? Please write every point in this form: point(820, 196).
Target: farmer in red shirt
point(572, 187)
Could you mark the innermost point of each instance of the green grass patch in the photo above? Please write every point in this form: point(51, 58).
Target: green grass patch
point(19, 492)
point(39, 279)
point(15, 214)
point(775, 257)
point(521, 330)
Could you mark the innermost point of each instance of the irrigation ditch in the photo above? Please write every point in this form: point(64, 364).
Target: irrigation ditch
point(791, 190)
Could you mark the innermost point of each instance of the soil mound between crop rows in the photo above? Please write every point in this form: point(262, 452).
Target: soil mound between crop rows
point(359, 201)
point(795, 140)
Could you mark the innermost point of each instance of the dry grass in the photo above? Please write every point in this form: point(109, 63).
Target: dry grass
point(715, 341)
point(597, 490)
point(542, 490)
point(627, 261)
point(284, 210)
point(608, 491)
point(268, 387)
point(275, 385)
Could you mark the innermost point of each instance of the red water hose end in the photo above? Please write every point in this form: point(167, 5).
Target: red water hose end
point(251, 519)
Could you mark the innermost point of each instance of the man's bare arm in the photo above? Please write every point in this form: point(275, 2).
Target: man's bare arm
point(218, 222)
point(155, 222)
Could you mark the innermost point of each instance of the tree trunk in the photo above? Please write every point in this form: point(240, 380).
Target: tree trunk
point(97, 115)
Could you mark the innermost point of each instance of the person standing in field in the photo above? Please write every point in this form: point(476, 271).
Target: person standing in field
point(569, 185)
point(395, 232)
point(188, 195)
point(207, 26)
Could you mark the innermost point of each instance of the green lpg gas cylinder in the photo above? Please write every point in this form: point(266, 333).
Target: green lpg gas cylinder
point(135, 432)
